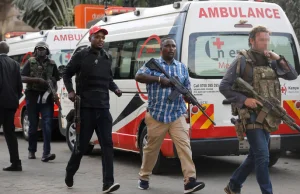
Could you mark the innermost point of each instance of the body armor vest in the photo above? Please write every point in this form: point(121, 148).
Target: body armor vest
point(44, 70)
point(94, 79)
point(266, 83)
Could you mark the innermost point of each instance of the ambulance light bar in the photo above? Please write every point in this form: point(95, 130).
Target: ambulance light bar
point(117, 11)
point(63, 27)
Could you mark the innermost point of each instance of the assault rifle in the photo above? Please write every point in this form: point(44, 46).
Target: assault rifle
point(77, 123)
point(56, 100)
point(178, 87)
point(270, 105)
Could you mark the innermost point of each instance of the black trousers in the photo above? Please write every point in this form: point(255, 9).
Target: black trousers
point(98, 120)
point(7, 122)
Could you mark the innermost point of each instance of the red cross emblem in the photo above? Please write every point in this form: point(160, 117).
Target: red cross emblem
point(218, 43)
point(283, 89)
point(68, 56)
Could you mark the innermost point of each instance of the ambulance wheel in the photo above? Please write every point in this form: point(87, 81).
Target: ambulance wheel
point(273, 158)
point(25, 125)
point(160, 160)
point(71, 138)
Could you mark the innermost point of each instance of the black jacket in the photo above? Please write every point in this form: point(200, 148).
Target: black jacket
point(93, 77)
point(10, 83)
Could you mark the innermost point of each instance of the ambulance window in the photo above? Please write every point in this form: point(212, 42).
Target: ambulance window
point(114, 52)
point(61, 57)
point(106, 46)
point(210, 54)
point(283, 46)
point(144, 52)
point(125, 60)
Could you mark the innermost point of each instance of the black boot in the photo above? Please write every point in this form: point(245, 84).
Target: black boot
point(48, 157)
point(31, 155)
point(69, 180)
point(15, 166)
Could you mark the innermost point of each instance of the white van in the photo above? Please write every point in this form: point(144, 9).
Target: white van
point(62, 42)
point(208, 35)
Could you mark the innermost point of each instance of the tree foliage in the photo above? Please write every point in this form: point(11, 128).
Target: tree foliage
point(45, 14)
point(292, 10)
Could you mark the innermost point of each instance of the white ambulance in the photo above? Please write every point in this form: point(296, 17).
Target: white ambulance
point(62, 42)
point(208, 35)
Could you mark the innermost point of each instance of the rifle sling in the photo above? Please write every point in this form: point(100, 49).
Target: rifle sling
point(250, 61)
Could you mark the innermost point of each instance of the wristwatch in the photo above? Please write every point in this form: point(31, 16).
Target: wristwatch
point(281, 58)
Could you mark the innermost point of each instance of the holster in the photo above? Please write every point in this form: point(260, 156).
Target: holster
point(239, 129)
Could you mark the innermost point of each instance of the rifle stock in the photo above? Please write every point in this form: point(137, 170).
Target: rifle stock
point(178, 87)
point(270, 104)
point(56, 101)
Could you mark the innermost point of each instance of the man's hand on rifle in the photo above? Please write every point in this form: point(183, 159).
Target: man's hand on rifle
point(252, 103)
point(56, 99)
point(165, 82)
point(71, 96)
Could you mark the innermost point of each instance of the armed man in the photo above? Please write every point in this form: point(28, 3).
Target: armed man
point(37, 71)
point(260, 68)
point(166, 116)
point(94, 79)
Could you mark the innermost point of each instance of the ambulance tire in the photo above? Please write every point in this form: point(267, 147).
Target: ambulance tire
point(71, 138)
point(25, 125)
point(160, 160)
point(273, 158)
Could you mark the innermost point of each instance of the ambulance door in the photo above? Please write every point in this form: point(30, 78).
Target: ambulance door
point(285, 44)
point(113, 49)
point(124, 78)
point(66, 104)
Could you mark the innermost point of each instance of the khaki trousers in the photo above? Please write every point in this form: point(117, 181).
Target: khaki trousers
point(179, 133)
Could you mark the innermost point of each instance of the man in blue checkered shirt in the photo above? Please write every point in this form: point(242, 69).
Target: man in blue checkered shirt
point(165, 116)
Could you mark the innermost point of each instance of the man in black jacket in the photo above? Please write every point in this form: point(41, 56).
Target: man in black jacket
point(92, 67)
point(10, 93)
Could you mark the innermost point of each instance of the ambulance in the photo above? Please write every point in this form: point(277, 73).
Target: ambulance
point(208, 35)
point(62, 42)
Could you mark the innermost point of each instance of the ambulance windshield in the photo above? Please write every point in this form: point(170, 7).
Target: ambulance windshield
point(210, 54)
point(61, 57)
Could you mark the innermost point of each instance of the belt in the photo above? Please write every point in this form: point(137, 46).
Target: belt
point(254, 126)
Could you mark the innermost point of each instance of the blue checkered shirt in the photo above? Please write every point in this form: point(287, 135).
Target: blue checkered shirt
point(160, 108)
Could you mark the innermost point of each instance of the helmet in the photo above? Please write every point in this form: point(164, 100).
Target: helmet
point(44, 45)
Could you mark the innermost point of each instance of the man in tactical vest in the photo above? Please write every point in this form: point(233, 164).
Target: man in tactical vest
point(92, 67)
point(36, 73)
point(261, 69)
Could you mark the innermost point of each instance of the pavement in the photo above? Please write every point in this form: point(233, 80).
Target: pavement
point(48, 178)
